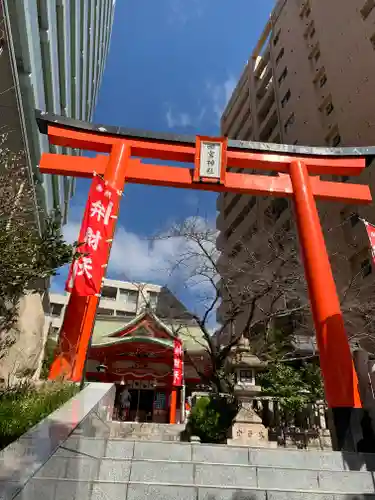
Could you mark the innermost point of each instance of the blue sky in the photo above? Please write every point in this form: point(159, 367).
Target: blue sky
point(172, 66)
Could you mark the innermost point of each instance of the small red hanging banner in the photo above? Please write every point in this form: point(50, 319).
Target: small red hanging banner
point(371, 236)
point(86, 272)
point(177, 363)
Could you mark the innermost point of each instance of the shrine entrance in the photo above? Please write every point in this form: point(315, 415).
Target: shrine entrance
point(219, 166)
point(139, 358)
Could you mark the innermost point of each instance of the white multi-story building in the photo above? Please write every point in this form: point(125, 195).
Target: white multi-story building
point(52, 58)
point(122, 299)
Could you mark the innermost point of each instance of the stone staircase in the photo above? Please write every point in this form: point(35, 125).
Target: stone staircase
point(146, 431)
point(124, 469)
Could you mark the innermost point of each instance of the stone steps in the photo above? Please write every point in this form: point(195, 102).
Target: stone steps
point(207, 475)
point(146, 431)
point(117, 469)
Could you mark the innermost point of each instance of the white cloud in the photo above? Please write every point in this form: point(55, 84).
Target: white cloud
point(133, 257)
point(220, 94)
point(141, 259)
point(183, 11)
point(138, 259)
point(183, 119)
point(177, 119)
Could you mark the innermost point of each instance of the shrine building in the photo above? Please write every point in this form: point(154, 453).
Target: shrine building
point(133, 346)
point(139, 355)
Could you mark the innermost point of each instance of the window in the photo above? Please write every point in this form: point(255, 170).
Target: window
point(126, 315)
point(367, 9)
point(56, 309)
point(153, 297)
point(283, 75)
point(128, 296)
point(285, 99)
point(322, 81)
point(366, 268)
point(310, 31)
point(289, 122)
point(121, 313)
point(109, 293)
point(246, 376)
point(105, 312)
point(277, 36)
point(280, 55)
point(306, 10)
point(336, 140)
point(328, 109)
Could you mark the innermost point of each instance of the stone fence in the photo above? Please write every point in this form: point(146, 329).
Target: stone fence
point(308, 428)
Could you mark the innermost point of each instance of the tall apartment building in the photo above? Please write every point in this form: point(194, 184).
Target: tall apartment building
point(308, 81)
point(52, 57)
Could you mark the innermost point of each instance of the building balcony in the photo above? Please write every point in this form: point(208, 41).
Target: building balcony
point(246, 132)
point(236, 93)
point(267, 100)
point(229, 124)
point(261, 64)
point(261, 85)
point(275, 137)
point(269, 124)
point(244, 116)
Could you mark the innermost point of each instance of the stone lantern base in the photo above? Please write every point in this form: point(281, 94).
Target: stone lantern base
point(248, 430)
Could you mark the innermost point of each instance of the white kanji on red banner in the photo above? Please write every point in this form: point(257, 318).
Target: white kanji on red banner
point(100, 211)
point(93, 238)
point(86, 272)
point(177, 363)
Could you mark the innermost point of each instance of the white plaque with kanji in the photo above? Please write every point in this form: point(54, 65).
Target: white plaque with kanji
point(210, 159)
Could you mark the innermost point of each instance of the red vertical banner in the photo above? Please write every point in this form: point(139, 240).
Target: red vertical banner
point(177, 363)
point(86, 272)
point(371, 236)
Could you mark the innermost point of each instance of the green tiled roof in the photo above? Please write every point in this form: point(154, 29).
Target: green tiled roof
point(191, 335)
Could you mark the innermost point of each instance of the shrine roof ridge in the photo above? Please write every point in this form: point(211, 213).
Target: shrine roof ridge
point(44, 119)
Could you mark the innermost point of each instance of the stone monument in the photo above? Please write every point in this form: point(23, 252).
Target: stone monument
point(248, 429)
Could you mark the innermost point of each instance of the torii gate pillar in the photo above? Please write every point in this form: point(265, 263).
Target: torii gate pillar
point(298, 179)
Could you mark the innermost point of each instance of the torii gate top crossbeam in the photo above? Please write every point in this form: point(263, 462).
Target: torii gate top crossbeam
point(49, 119)
point(239, 155)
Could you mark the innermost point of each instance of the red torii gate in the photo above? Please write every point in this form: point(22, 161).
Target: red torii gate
point(299, 169)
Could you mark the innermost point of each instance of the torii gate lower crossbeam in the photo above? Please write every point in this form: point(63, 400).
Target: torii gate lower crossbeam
point(298, 170)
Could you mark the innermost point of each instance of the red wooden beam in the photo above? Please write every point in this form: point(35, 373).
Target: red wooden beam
point(281, 163)
point(72, 166)
point(180, 177)
point(236, 159)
